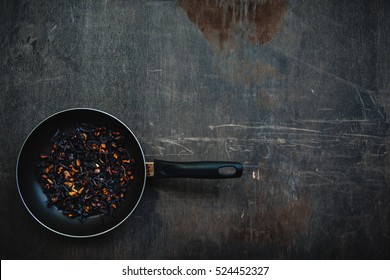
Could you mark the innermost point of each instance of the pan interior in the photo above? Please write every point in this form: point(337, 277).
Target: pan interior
point(38, 142)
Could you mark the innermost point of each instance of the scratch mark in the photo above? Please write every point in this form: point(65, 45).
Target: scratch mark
point(268, 153)
point(322, 71)
point(226, 149)
point(334, 121)
point(233, 149)
point(272, 127)
point(208, 139)
point(53, 79)
point(373, 102)
point(363, 105)
point(53, 28)
point(176, 144)
point(71, 14)
point(317, 175)
point(325, 109)
point(295, 144)
point(159, 149)
point(365, 135)
point(203, 139)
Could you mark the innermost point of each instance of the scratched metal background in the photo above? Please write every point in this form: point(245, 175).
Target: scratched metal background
point(298, 91)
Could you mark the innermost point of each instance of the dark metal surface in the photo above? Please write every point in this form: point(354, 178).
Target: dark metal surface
point(298, 91)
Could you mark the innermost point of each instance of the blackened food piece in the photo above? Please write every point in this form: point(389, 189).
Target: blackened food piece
point(87, 172)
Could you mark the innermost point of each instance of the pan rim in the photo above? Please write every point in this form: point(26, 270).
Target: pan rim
point(36, 127)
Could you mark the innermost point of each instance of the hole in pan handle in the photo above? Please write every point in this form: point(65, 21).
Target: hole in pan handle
point(197, 169)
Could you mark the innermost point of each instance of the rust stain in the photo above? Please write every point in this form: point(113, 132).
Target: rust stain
point(224, 23)
point(245, 71)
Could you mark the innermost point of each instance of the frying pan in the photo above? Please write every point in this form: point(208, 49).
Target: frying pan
point(38, 142)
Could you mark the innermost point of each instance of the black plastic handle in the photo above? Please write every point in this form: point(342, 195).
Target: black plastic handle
point(198, 169)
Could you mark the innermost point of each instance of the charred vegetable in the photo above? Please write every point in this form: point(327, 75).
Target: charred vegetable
point(87, 172)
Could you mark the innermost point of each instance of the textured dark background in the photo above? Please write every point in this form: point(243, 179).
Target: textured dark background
point(298, 91)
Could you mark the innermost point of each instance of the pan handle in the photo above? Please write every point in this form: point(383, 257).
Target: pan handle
point(198, 169)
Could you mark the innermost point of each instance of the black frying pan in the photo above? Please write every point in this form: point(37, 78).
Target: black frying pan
point(38, 142)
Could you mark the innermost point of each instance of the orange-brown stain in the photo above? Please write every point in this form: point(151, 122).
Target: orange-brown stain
point(245, 71)
point(226, 22)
